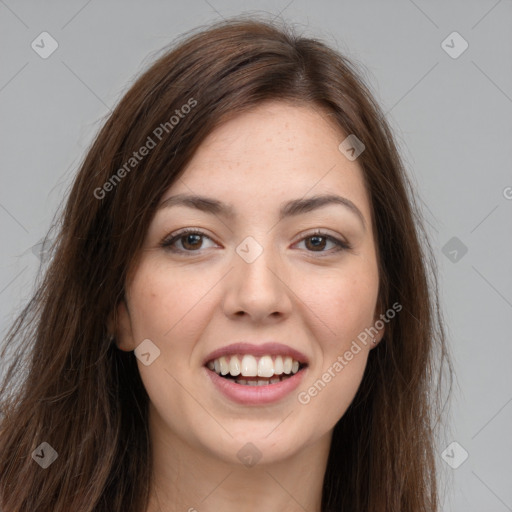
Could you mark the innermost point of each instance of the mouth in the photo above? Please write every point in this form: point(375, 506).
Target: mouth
point(256, 370)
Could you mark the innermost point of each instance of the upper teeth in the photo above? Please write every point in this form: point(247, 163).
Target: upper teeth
point(251, 366)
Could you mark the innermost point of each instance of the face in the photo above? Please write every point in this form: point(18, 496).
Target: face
point(264, 274)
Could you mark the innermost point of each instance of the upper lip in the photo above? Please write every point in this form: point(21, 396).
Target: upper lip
point(263, 349)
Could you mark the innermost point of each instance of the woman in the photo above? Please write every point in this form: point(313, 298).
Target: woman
point(237, 313)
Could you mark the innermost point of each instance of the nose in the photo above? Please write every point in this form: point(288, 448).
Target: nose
point(257, 290)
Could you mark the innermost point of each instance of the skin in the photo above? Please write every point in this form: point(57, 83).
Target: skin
point(311, 297)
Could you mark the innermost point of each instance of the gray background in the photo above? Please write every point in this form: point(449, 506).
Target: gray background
point(452, 118)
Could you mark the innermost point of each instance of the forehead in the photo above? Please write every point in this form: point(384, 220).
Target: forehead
point(274, 152)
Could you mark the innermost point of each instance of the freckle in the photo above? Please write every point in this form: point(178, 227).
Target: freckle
point(291, 149)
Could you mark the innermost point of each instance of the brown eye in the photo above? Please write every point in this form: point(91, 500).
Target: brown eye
point(186, 241)
point(191, 242)
point(316, 242)
point(324, 244)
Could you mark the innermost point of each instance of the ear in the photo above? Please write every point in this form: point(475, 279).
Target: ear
point(380, 325)
point(120, 327)
point(377, 339)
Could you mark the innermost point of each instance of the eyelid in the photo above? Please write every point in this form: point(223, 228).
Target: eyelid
point(167, 242)
point(341, 243)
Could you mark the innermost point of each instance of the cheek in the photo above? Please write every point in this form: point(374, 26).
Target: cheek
point(165, 300)
point(344, 303)
point(347, 308)
point(171, 309)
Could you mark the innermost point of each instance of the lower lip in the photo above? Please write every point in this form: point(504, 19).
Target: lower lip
point(255, 395)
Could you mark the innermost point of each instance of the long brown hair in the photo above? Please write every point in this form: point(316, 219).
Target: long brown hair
point(71, 387)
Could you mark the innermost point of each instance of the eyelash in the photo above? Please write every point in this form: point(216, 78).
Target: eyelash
point(169, 241)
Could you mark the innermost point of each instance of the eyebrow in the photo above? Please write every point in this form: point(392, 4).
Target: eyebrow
point(288, 209)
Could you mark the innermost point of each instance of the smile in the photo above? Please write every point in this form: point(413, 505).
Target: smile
point(252, 370)
point(256, 374)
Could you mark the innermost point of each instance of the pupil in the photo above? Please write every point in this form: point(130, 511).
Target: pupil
point(189, 240)
point(317, 241)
